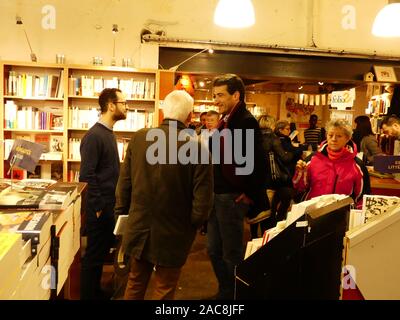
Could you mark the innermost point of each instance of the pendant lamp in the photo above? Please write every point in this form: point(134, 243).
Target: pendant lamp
point(234, 14)
point(387, 21)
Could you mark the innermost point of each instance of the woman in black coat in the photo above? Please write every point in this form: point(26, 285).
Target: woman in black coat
point(270, 142)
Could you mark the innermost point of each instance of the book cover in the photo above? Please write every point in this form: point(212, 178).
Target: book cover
point(25, 154)
point(10, 220)
point(65, 188)
point(31, 227)
point(375, 205)
point(56, 143)
point(13, 198)
point(44, 140)
point(120, 225)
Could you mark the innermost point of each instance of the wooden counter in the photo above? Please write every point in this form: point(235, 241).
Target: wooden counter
point(385, 186)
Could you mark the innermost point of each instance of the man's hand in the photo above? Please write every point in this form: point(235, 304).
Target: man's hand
point(98, 213)
point(245, 199)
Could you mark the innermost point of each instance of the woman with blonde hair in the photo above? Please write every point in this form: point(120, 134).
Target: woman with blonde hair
point(334, 168)
point(271, 143)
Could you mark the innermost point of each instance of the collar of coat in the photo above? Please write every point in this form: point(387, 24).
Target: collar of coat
point(179, 124)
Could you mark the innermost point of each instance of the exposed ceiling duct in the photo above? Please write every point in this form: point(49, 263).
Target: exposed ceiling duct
point(236, 46)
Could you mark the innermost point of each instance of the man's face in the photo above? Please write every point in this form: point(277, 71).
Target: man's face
point(313, 121)
point(121, 108)
point(224, 100)
point(393, 130)
point(212, 122)
point(203, 119)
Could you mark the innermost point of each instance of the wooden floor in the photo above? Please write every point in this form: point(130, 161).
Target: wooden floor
point(197, 280)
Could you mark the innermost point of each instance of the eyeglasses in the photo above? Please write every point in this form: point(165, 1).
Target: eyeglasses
point(122, 102)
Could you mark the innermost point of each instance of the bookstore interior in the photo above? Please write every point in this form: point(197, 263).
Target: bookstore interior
point(55, 104)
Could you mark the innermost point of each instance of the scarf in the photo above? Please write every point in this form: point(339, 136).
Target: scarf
point(335, 155)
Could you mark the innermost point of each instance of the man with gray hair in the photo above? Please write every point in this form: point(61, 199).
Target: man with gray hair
point(167, 200)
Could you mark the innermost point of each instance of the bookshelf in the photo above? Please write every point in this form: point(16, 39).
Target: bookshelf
point(59, 103)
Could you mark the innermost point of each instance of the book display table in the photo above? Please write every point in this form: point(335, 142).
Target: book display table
point(38, 247)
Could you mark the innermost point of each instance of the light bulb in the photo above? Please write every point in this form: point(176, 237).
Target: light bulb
point(234, 14)
point(387, 21)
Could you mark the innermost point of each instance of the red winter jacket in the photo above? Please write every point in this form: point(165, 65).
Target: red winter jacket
point(346, 175)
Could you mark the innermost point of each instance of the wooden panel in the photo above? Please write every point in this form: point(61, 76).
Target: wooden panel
point(166, 83)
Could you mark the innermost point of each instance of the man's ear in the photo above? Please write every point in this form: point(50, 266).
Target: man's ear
point(236, 95)
point(189, 118)
point(111, 107)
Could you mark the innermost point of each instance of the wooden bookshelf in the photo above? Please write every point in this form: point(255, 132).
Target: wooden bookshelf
point(24, 98)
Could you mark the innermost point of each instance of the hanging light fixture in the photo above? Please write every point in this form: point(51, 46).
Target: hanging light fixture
point(234, 14)
point(387, 21)
point(33, 55)
point(114, 31)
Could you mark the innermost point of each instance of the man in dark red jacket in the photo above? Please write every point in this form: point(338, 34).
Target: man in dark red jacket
point(239, 182)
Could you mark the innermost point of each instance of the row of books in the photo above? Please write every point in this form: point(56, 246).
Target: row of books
point(37, 194)
point(75, 143)
point(89, 86)
point(34, 85)
point(51, 143)
point(30, 118)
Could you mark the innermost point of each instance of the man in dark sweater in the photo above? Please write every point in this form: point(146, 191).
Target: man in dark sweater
point(236, 191)
point(100, 169)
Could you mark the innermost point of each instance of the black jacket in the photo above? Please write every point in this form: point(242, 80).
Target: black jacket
point(254, 184)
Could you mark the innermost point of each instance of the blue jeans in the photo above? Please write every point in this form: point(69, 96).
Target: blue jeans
point(225, 240)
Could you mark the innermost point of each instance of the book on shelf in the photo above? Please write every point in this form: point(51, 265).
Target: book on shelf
point(44, 140)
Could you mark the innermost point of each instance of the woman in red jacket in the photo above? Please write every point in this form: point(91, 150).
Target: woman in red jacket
point(334, 168)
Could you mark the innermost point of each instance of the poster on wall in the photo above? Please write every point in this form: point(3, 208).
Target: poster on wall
point(343, 100)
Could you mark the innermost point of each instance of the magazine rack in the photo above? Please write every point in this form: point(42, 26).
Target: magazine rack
point(304, 261)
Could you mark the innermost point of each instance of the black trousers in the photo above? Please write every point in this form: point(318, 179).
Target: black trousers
point(100, 239)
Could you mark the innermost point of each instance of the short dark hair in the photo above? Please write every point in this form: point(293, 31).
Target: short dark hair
point(314, 116)
point(233, 83)
point(106, 96)
point(363, 126)
point(203, 114)
point(212, 113)
point(390, 120)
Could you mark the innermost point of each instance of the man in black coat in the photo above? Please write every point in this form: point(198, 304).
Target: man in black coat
point(239, 179)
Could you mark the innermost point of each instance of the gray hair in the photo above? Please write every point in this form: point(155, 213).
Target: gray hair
point(266, 122)
point(341, 124)
point(177, 105)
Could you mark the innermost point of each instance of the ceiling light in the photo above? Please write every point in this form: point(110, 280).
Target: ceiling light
point(202, 84)
point(301, 87)
point(174, 68)
point(234, 14)
point(387, 21)
point(320, 83)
